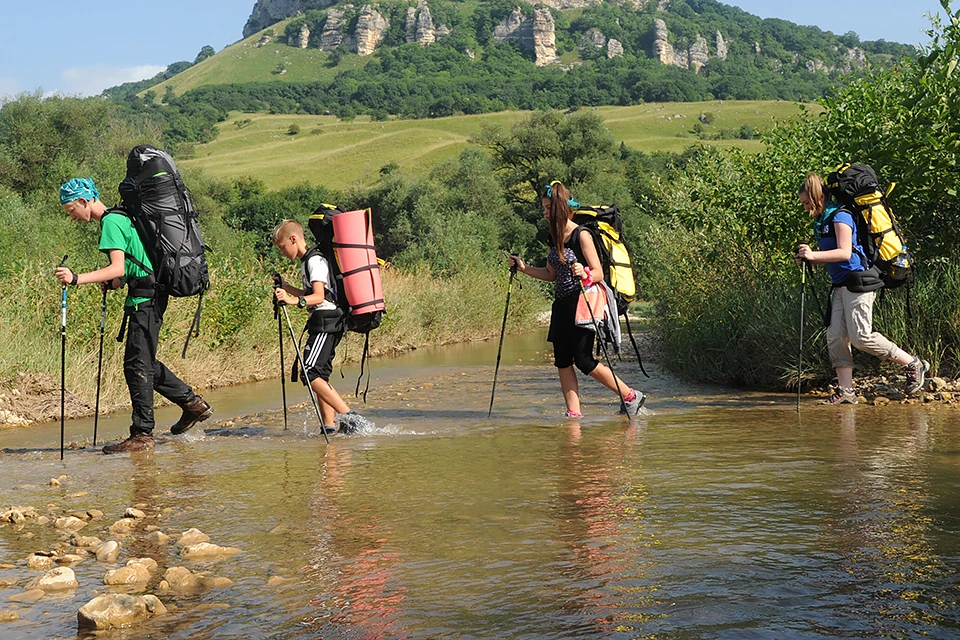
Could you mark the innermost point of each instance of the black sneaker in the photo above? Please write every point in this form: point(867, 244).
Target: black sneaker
point(916, 374)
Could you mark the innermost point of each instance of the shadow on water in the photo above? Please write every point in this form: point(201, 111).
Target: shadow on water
point(719, 515)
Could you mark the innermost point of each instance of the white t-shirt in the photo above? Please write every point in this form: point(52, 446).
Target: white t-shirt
point(317, 269)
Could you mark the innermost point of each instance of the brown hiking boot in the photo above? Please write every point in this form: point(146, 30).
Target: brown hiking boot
point(138, 442)
point(197, 410)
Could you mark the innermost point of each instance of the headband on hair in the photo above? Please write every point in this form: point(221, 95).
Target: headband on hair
point(548, 193)
point(78, 188)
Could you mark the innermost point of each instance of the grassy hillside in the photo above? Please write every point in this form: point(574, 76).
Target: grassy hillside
point(341, 154)
point(244, 62)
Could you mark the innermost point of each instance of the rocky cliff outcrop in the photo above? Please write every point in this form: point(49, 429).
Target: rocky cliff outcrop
point(661, 48)
point(696, 57)
point(614, 48)
point(509, 28)
point(268, 12)
point(420, 27)
point(303, 39)
point(699, 55)
point(332, 34)
point(544, 37)
point(371, 27)
point(721, 46)
point(536, 33)
point(593, 38)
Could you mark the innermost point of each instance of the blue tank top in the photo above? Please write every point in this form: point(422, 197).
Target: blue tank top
point(827, 241)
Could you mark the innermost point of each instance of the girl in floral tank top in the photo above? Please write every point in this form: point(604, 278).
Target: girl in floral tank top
point(573, 345)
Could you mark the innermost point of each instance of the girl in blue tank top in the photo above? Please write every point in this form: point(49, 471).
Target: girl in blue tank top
point(850, 308)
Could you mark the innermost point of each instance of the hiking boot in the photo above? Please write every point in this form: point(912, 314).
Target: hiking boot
point(633, 406)
point(842, 396)
point(138, 442)
point(916, 373)
point(352, 422)
point(197, 410)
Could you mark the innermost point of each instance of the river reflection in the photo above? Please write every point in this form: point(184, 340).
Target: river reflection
point(724, 515)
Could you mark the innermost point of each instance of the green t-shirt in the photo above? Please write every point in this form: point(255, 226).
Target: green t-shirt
point(117, 232)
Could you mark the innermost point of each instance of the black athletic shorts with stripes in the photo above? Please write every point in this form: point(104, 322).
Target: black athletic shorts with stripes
point(318, 355)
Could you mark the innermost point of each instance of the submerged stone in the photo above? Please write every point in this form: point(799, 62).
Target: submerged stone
point(192, 536)
point(117, 611)
point(207, 551)
point(59, 579)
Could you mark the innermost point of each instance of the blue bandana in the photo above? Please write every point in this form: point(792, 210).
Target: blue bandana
point(78, 188)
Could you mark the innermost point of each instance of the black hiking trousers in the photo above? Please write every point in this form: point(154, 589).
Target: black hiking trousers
point(143, 372)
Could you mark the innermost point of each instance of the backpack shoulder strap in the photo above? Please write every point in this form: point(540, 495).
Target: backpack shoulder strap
point(123, 212)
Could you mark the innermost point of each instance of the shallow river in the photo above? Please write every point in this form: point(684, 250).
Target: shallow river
point(720, 515)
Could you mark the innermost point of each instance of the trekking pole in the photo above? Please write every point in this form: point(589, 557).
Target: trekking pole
point(103, 322)
point(313, 398)
point(803, 291)
point(503, 329)
point(63, 355)
point(603, 346)
point(278, 282)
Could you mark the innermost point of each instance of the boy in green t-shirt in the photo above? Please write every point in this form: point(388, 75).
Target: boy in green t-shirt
point(144, 310)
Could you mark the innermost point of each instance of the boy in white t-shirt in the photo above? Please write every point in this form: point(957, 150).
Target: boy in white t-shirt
point(325, 326)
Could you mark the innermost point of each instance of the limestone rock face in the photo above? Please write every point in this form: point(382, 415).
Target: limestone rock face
point(116, 611)
point(268, 12)
point(544, 37)
point(303, 38)
point(614, 48)
point(593, 38)
point(699, 54)
point(424, 32)
point(662, 50)
point(371, 27)
point(59, 579)
point(721, 46)
point(509, 28)
point(332, 34)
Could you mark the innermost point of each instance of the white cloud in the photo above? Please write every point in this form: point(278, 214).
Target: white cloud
point(9, 88)
point(90, 81)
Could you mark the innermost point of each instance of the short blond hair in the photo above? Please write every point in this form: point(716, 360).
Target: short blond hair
point(285, 228)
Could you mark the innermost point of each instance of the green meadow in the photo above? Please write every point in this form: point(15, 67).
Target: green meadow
point(342, 154)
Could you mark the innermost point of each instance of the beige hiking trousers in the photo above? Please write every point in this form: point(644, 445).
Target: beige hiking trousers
point(851, 323)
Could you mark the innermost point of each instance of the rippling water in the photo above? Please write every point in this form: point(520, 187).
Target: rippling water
point(722, 515)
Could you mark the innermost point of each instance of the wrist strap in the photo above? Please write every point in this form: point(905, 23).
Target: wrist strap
point(75, 278)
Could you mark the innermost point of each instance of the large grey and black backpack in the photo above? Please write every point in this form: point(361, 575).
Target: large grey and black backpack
point(155, 199)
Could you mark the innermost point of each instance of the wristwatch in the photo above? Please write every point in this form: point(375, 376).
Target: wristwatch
point(302, 302)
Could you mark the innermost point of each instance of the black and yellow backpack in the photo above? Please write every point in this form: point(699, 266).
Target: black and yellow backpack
point(856, 188)
point(605, 224)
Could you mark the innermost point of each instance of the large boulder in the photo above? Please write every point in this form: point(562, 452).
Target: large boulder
point(118, 610)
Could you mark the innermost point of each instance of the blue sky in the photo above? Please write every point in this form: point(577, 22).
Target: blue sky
point(83, 48)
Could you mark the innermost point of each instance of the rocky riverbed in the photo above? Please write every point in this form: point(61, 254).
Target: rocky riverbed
point(127, 563)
